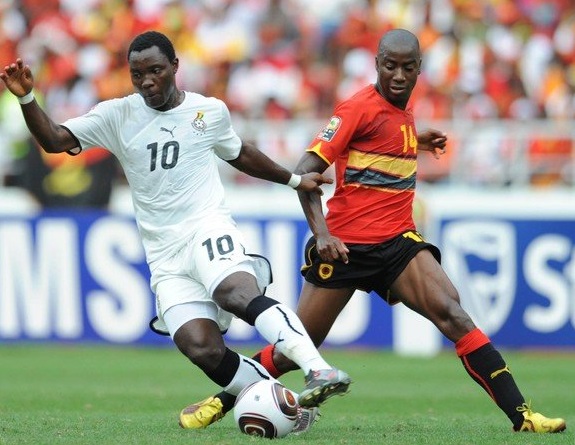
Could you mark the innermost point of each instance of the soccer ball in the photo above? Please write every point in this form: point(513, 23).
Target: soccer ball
point(266, 409)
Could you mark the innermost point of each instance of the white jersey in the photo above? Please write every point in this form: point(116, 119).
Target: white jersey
point(170, 161)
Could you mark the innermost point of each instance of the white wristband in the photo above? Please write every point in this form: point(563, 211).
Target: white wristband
point(294, 181)
point(27, 98)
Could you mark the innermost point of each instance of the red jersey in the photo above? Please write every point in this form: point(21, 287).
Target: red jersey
point(374, 147)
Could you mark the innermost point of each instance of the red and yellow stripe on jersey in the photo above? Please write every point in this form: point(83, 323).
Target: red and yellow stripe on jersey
point(374, 147)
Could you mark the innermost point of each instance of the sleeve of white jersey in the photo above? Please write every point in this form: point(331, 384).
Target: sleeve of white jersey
point(94, 128)
point(228, 144)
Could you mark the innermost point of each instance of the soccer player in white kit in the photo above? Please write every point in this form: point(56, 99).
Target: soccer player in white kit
point(168, 141)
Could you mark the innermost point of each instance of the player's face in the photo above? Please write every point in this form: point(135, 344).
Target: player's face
point(397, 71)
point(154, 77)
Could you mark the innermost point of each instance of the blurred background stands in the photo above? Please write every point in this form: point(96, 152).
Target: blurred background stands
point(498, 76)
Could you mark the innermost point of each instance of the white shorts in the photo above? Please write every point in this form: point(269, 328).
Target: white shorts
point(192, 275)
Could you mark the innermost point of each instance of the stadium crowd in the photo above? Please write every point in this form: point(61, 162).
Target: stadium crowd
point(281, 60)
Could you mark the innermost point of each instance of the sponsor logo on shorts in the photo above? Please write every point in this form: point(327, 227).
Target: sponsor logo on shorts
point(330, 129)
point(325, 271)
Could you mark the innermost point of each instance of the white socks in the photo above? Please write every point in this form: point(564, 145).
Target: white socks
point(281, 327)
point(248, 372)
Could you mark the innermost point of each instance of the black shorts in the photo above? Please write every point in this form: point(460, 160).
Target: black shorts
point(371, 267)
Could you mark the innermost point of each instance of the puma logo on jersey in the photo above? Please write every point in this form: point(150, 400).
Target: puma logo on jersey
point(168, 131)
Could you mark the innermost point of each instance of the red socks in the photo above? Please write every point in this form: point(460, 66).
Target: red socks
point(471, 342)
point(266, 359)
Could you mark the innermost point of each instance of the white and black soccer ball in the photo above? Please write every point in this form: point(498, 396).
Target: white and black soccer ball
point(266, 409)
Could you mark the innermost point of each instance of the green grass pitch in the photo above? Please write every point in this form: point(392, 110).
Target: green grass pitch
point(102, 395)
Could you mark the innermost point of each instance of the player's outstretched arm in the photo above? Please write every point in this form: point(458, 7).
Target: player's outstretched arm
point(19, 80)
point(257, 164)
point(329, 247)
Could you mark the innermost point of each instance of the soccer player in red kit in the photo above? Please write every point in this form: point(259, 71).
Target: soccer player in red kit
point(368, 239)
point(374, 147)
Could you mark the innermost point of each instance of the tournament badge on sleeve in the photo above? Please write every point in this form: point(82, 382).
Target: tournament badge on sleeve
point(330, 129)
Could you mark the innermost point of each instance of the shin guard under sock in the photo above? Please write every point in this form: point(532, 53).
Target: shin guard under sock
point(486, 366)
point(281, 327)
point(265, 357)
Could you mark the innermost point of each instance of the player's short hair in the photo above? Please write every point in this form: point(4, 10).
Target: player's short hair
point(149, 39)
point(395, 37)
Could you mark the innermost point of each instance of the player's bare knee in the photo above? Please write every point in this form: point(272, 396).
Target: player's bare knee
point(203, 347)
point(206, 357)
point(236, 303)
point(234, 296)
